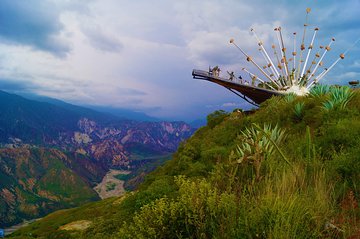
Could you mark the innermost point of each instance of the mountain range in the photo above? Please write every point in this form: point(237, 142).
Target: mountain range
point(121, 113)
point(51, 154)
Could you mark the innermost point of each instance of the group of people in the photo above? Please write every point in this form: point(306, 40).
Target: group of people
point(215, 71)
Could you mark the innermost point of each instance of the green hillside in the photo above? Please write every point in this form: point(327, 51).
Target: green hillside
point(288, 170)
point(36, 181)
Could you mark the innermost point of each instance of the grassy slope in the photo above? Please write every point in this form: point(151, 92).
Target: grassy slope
point(316, 196)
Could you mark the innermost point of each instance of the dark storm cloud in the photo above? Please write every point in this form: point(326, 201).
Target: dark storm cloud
point(34, 23)
point(12, 85)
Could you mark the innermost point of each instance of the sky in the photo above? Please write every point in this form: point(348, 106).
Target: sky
point(140, 54)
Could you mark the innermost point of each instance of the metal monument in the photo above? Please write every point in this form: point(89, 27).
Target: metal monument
point(285, 72)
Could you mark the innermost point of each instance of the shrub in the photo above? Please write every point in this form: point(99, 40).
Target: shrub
point(200, 211)
point(215, 118)
point(256, 146)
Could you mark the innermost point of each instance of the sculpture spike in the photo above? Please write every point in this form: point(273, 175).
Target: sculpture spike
point(283, 50)
point(302, 47)
point(267, 58)
point(294, 52)
point(269, 67)
point(312, 64)
point(309, 51)
point(262, 81)
point(327, 48)
point(248, 58)
point(341, 57)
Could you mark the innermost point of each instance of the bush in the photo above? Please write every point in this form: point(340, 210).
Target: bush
point(216, 118)
point(200, 211)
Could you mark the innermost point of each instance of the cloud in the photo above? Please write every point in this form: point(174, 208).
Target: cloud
point(101, 40)
point(131, 92)
point(13, 85)
point(355, 64)
point(156, 44)
point(225, 105)
point(229, 104)
point(34, 23)
point(349, 76)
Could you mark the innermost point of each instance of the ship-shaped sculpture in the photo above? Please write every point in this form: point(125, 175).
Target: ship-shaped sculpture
point(295, 72)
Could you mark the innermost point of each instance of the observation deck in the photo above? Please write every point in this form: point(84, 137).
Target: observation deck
point(252, 94)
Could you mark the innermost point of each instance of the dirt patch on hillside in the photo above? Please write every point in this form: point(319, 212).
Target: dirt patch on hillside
point(111, 186)
point(77, 225)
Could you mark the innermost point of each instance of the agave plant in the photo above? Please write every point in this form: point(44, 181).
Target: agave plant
point(328, 105)
point(339, 98)
point(289, 97)
point(257, 144)
point(298, 109)
point(319, 90)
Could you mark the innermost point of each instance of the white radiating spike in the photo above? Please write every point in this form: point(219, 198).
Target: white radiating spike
point(342, 56)
point(267, 58)
point(270, 70)
point(309, 51)
point(302, 46)
point(282, 53)
point(319, 77)
point(278, 60)
point(294, 52)
point(313, 63)
point(327, 48)
point(283, 50)
point(262, 81)
point(248, 58)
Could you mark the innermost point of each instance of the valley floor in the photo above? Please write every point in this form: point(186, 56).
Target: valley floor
point(110, 186)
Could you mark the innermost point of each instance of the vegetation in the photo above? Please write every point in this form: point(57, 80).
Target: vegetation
point(319, 90)
point(110, 186)
point(140, 168)
point(36, 181)
point(270, 174)
point(339, 98)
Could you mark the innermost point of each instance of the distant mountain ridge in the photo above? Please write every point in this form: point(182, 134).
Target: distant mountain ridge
point(92, 143)
point(120, 113)
point(35, 121)
point(101, 136)
point(125, 113)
